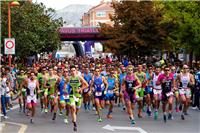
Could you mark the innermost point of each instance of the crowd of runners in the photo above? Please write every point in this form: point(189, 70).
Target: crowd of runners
point(62, 86)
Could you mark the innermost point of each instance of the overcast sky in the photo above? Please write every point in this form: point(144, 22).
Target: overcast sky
point(59, 4)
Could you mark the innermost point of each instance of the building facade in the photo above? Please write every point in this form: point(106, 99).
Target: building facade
point(98, 14)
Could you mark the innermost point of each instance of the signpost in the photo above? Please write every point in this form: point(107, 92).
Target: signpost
point(9, 46)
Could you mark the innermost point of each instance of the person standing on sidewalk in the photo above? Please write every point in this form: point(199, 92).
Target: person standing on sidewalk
point(3, 95)
point(196, 104)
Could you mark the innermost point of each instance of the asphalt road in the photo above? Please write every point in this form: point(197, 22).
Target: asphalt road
point(19, 123)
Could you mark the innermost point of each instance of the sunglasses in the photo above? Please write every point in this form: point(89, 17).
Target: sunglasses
point(166, 69)
point(185, 68)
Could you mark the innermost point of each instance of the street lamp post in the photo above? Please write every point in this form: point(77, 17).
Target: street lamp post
point(10, 4)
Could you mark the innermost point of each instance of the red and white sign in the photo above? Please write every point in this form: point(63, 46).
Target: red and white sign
point(9, 45)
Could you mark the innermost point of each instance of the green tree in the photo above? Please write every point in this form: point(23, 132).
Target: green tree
point(182, 22)
point(34, 28)
point(136, 29)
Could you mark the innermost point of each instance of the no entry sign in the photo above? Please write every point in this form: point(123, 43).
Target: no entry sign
point(9, 45)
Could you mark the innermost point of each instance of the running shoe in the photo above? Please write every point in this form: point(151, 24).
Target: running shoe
point(75, 128)
point(186, 113)
point(180, 107)
point(99, 120)
point(66, 121)
point(46, 110)
point(155, 115)
point(139, 116)
point(182, 117)
point(170, 117)
point(61, 113)
point(54, 117)
point(165, 118)
point(133, 122)
point(124, 107)
point(148, 112)
point(177, 109)
point(109, 116)
point(195, 107)
point(5, 117)
point(31, 120)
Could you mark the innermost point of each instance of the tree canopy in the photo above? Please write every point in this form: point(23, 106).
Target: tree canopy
point(182, 22)
point(33, 26)
point(136, 27)
point(142, 26)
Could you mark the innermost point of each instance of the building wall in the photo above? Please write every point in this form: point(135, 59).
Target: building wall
point(100, 13)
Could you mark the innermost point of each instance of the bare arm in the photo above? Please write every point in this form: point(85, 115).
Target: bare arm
point(84, 84)
point(139, 84)
point(45, 83)
point(192, 82)
point(92, 83)
point(174, 84)
point(105, 82)
point(116, 85)
point(123, 85)
point(38, 86)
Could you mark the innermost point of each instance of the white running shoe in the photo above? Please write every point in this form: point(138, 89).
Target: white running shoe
point(66, 121)
point(195, 107)
point(6, 117)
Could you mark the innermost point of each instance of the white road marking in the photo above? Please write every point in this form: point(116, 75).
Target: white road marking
point(113, 128)
point(22, 129)
point(2, 125)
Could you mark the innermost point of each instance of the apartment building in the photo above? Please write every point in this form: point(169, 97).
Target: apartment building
point(98, 14)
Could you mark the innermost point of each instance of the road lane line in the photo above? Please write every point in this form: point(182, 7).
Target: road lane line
point(113, 128)
point(2, 125)
point(22, 129)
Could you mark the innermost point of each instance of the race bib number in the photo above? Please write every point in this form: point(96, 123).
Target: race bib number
point(98, 93)
point(169, 94)
point(129, 85)
point(86, 90)
point(76, 99)
point(66, 96)
point(52, 96)
point(110, 91)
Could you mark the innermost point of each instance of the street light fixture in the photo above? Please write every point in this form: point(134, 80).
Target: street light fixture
point(10, 4)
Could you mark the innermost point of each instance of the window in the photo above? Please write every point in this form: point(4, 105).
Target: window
point(101, 14)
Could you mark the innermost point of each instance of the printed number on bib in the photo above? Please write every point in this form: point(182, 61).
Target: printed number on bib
point(169, 94)
point(76, 99)
point(66, 96)
point(86, 90)
point(98, 93)
point(110, 91)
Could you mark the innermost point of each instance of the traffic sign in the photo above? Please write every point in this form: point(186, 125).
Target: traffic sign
point(9, 45)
